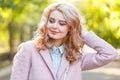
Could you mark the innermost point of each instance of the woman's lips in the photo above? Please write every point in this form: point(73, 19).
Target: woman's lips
point(54, 32)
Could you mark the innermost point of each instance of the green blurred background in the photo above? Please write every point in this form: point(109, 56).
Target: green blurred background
point(19, 19)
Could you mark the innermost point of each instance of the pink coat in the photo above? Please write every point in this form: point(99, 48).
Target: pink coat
point(29, 64)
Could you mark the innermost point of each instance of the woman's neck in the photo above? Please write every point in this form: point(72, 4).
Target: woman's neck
point(56, 43)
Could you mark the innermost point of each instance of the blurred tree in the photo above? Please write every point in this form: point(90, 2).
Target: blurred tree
point(18, 19)
point(103, 17)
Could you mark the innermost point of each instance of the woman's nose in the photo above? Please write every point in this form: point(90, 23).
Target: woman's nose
point(55, 25)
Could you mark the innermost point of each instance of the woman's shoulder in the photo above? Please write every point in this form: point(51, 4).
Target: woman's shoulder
point(27, 45)
point(25, 50)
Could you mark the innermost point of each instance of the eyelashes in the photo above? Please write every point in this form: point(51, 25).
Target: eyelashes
point(61, 22)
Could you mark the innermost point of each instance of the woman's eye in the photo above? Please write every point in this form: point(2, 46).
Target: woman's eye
point(62, 23)
point(51, 20)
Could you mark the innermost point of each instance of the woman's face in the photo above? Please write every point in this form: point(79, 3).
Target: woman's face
point(57, 26)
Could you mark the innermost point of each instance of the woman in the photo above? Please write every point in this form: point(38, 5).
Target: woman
point(56, 51)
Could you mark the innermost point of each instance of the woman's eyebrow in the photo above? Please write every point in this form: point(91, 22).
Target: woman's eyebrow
point(61, 20)
point(51, 18)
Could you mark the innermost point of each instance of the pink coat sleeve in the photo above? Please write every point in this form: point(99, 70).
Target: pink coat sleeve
point(105, 52)
point(21, 64)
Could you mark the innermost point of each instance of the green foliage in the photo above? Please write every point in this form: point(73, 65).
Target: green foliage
point(103, 17)
point(18, 21)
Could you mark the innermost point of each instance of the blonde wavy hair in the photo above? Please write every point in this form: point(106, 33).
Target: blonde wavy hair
point(73, 42)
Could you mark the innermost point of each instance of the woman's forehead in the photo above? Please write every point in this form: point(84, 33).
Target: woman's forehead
point(56, 15)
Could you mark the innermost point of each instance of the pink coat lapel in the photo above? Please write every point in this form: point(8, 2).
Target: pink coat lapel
point(63, 66)
point(47, 59)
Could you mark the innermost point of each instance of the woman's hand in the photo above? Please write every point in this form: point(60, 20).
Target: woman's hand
point(84, 32)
